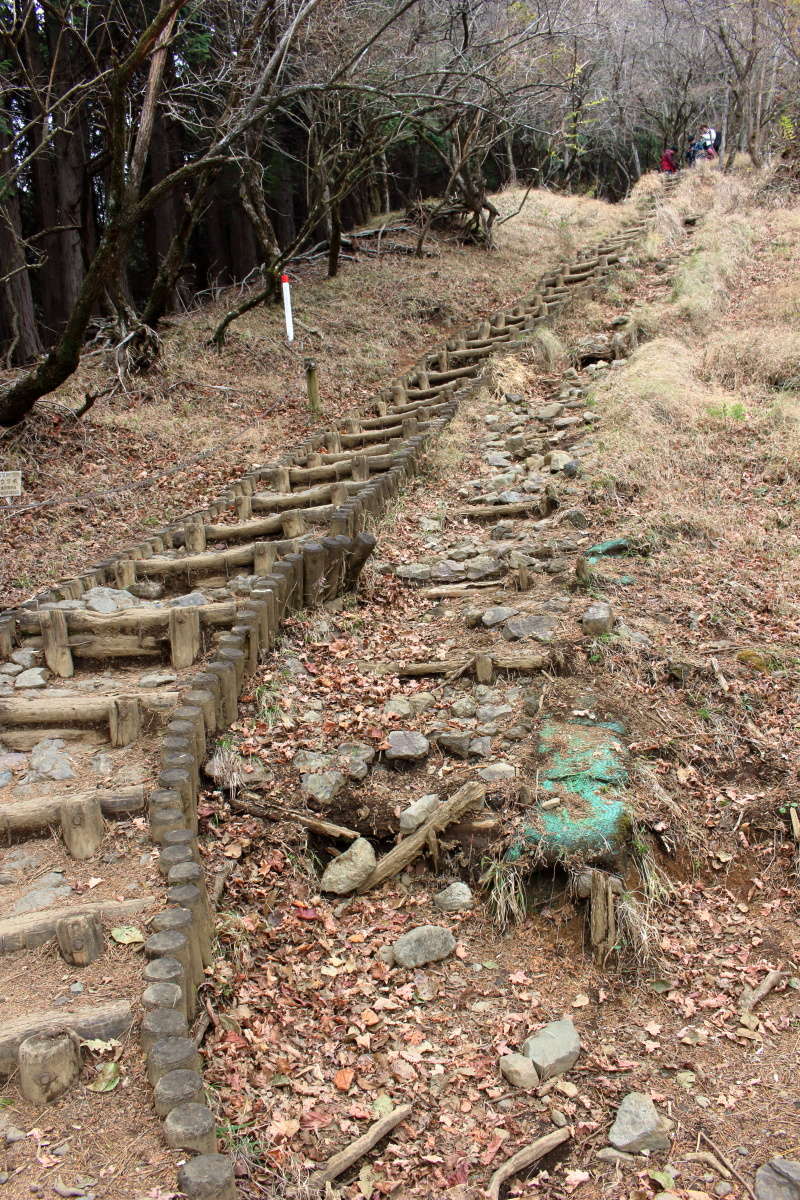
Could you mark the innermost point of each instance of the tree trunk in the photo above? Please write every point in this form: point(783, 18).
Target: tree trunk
point(16, 300)
point(335, 244)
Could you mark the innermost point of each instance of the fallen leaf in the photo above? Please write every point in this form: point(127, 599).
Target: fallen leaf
point(580, 1001)
point(127, 935)
point(574, 1179)
point(343, 1079)
point(108, 1076)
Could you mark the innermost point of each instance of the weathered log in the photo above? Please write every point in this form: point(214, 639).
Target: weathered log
point(132, 620)
point(466, 798)
point(34, 929)
point(279, 813)
point(102, 1021)
point(342, 1161)
point(49, 1063)
point(489, 512)
point(55, 643)
point(184, 636)
point(525, 1158)
point(602, 916)
point(68, 708)
point(41, 811)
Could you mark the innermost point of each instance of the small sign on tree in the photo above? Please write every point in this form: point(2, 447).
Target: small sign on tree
point(10, 483)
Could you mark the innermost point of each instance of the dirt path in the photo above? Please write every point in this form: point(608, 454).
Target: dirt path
point(317, 1031)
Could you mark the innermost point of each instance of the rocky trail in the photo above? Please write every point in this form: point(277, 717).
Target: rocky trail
point(344, 854)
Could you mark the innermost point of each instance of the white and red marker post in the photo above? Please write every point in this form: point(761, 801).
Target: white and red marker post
point(287, 308)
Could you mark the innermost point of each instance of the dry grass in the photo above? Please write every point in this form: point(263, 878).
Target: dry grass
point(703, 282)
point(767, 356)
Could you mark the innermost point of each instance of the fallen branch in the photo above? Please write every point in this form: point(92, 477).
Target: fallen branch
point(709, 1160)
point(728, 1164)
point(525, 1158)
point(268, 813)
point(451, 810)
point(752, 996)
point(340, 1162)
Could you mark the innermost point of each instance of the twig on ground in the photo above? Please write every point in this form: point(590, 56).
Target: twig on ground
point(525, 1158)
point(728, 1164)
point(340, 1162)
point(752, 996)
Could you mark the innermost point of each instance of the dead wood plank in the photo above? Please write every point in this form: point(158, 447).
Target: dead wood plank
point(466, 798)
point(100, 1021)
point(487, 512)
point(275, 813)
point(34, 929)
point(41, 811)
point(340, 1162)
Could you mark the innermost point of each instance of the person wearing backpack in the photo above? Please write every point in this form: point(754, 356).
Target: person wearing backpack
point(667, 164)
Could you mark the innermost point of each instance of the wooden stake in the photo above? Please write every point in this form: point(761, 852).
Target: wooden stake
point(48, 1064)
point(184, 636)
point(82, 827)
point(80, 939)
point(124, 720)
point(55, 642)
point(312, 387)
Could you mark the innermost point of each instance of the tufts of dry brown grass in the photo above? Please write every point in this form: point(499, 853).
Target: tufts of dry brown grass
point(768, 356)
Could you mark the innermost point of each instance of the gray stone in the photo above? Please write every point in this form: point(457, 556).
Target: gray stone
point(42, 897)
point(26, 656)
point(498, 614)
point(778, 1179)
point(480, 747)
point(323, 786)
point(102, 763)
point(455, 743)
point(190, 600)
point(48, 761)
point(639, 1126)
point(485, 567)
point(464, 707)
point(421, 701)
point(349, 870)
point(311, 760)
point(554, 1049)
point(496, 772)
point(598, 619)
point(455, 898)
point(491, 712)
point(36, 677)
point(497, 460)
point(519, 1071)
point(559, 460)
point(109, 600)
point(426, 943)
point(407, 746)
point(398, 706)
point(154, 679)
point(417, 813)
point(539, 627)
point(549, 412)
point(146, 589)
point(416, 572)
point(723, 1188)
point(609, 1154)
point(11, 669)
point(577, 518)
point(511, 498)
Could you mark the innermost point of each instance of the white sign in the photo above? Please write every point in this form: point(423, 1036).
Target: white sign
point(10, 483)
point(287, 308)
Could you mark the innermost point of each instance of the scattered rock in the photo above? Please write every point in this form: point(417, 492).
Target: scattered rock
point(554, 1049)
point(598, 619)
point(109, 600)
point(455, 743)
point(609, 1154)
point(421, 701)
point(146, 589)
point(416, 572)
point(417, 813)
point(577, 518)
point(549, 412)
point(496, 615)
point(519, 1071)
point(485, 567)
point(496, 772)
point(190, 600)
point(357, 758)
point(480, 747)
point(492, 712)
point(464, 707)
point(398, 706)
point(154, 679)
point(407, 746)
point(311, 760)
point(36, 677)
point(42, 897)
point(639, 1126)
point(102, 764)
point(455, 898)
point(323, 786)
point(539, 627)
point(48, 760)
point(26, 657)
point(779, 1179)
point(426, 943)
point(559, 460)
point(9, 669)
point(349, 870)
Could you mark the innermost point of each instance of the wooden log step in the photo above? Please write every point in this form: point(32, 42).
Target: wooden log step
point(133, 620)
point(34, 929)
point(368, 436)
point(487, 512)
point(110, 1020)
point(65, 708)
point(40, 812)
point(195, 564)
point(468, 663)
point(436, 377)
point(25, 739)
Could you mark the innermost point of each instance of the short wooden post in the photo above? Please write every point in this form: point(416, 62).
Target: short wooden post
point(484, 668)
point(244, 506)
point(264, 555)
point(184, 636)
point(82, 827)
point(399, 395)
point(171, 1054)
point(177, 1087)
point(6, 636)
point(125, 720)
point(312, 387)
point(360, 467)
point(208, 1177)
point(191, 1127)
point(55, 642)
point(80, 939)
point(49, 1063)
point(124, 573)
point(293, 523)
point(195, 537)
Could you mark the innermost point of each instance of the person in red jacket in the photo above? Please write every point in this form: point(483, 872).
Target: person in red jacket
point(668, 164)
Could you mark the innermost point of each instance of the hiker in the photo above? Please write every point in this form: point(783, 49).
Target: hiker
point(667, 165)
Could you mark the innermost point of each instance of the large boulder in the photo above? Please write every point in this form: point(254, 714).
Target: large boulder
point(554, 1049)
point(426, 943)
point(639, 1126)
point(349, 870)
point(779, 1179)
